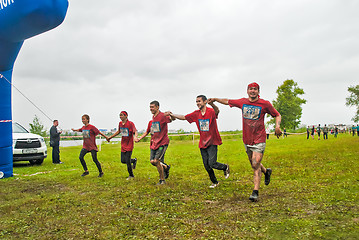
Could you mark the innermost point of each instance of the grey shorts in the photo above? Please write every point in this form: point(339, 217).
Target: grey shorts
point(259, 148)
point(159, 153)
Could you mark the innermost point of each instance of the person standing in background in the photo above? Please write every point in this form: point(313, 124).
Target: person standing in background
point(325, 131)
point(313, 132)
point(318, 131)
point(55, 142)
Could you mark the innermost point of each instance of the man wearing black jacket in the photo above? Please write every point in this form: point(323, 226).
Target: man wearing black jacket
point(55, 142)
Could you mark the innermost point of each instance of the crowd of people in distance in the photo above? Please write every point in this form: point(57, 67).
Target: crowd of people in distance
point(312, 131)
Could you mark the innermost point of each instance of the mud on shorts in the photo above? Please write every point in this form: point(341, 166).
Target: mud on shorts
point(159, 153)
point(259, 148)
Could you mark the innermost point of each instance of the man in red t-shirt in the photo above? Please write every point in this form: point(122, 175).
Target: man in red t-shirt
point(206, 121)
point(254, 110)
point(159, 140)
point(89, 133)
point(127, 129)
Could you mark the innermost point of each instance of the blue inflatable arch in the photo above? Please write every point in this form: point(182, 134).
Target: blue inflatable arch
point(19, 20)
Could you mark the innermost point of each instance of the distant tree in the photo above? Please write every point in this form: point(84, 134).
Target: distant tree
point(181, 131)
point(288, 104)
point(353, 100)
point(37, 127)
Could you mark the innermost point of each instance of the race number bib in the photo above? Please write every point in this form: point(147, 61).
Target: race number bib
point(251, 112)
point(86, 133)
point(124, 132)
point(203, 125)
point(155, 127)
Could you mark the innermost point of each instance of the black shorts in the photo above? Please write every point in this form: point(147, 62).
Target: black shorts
point(159, 153)
point(126, 157)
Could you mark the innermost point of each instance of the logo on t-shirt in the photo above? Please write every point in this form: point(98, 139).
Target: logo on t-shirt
point(251, 112)
point(203, 125)
point(124, 132)
point(155, 127)
point(86, 133)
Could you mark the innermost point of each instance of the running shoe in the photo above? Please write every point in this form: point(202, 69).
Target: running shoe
point(267, 176)
point(100, 174)
point(167, 171)
point(214, 185)
point(134, 163)
point(161, 182)
point(254, 197)
point(85, 174)
point(130, 178)
point(226, 172)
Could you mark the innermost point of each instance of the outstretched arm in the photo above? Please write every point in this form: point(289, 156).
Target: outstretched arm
point(175, 116)
point(220, 100)
point(113, 135)
point(140, 138)
point(178, 116)
point(76, 130)
point(104, 136)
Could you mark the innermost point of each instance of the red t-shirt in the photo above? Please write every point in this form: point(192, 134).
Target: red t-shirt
point(207, 127)
point(89, 134)
point(158, 129)
point(253, 118)
point(127, 130)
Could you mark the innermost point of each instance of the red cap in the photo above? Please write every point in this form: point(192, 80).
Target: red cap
point(254, 84)
point(124, 113)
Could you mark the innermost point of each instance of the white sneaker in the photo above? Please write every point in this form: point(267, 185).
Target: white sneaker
point(130, 178)
point(226, 172)
point(214, 185)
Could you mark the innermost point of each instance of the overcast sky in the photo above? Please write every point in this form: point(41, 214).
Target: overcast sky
point(115, 55)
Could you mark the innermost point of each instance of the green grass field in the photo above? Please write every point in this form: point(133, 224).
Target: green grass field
point(313, 194)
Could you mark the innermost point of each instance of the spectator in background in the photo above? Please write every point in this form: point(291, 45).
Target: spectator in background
point(318, 131)
point(336, 130)
point(285, 133)
point(55, 142)
point(313, 132)
point(353, 130)
point(267, 132)
point(325, 131)
point(308, 132)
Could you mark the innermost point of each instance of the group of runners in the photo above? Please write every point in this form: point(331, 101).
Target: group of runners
point(253, 108)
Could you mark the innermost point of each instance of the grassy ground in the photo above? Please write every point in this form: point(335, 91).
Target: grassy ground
point(313, 195)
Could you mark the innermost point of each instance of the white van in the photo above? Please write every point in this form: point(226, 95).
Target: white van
point(27, 146)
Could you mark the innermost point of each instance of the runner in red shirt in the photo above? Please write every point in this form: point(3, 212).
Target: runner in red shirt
point(159, 140)
point(254, 134)
point(127, 129)
point(206, 121)
point(89, 133)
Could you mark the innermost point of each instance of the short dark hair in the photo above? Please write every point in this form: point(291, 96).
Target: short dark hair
point(55, 121)
point(204, 98)
point(156, 103)
point(87, 117)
